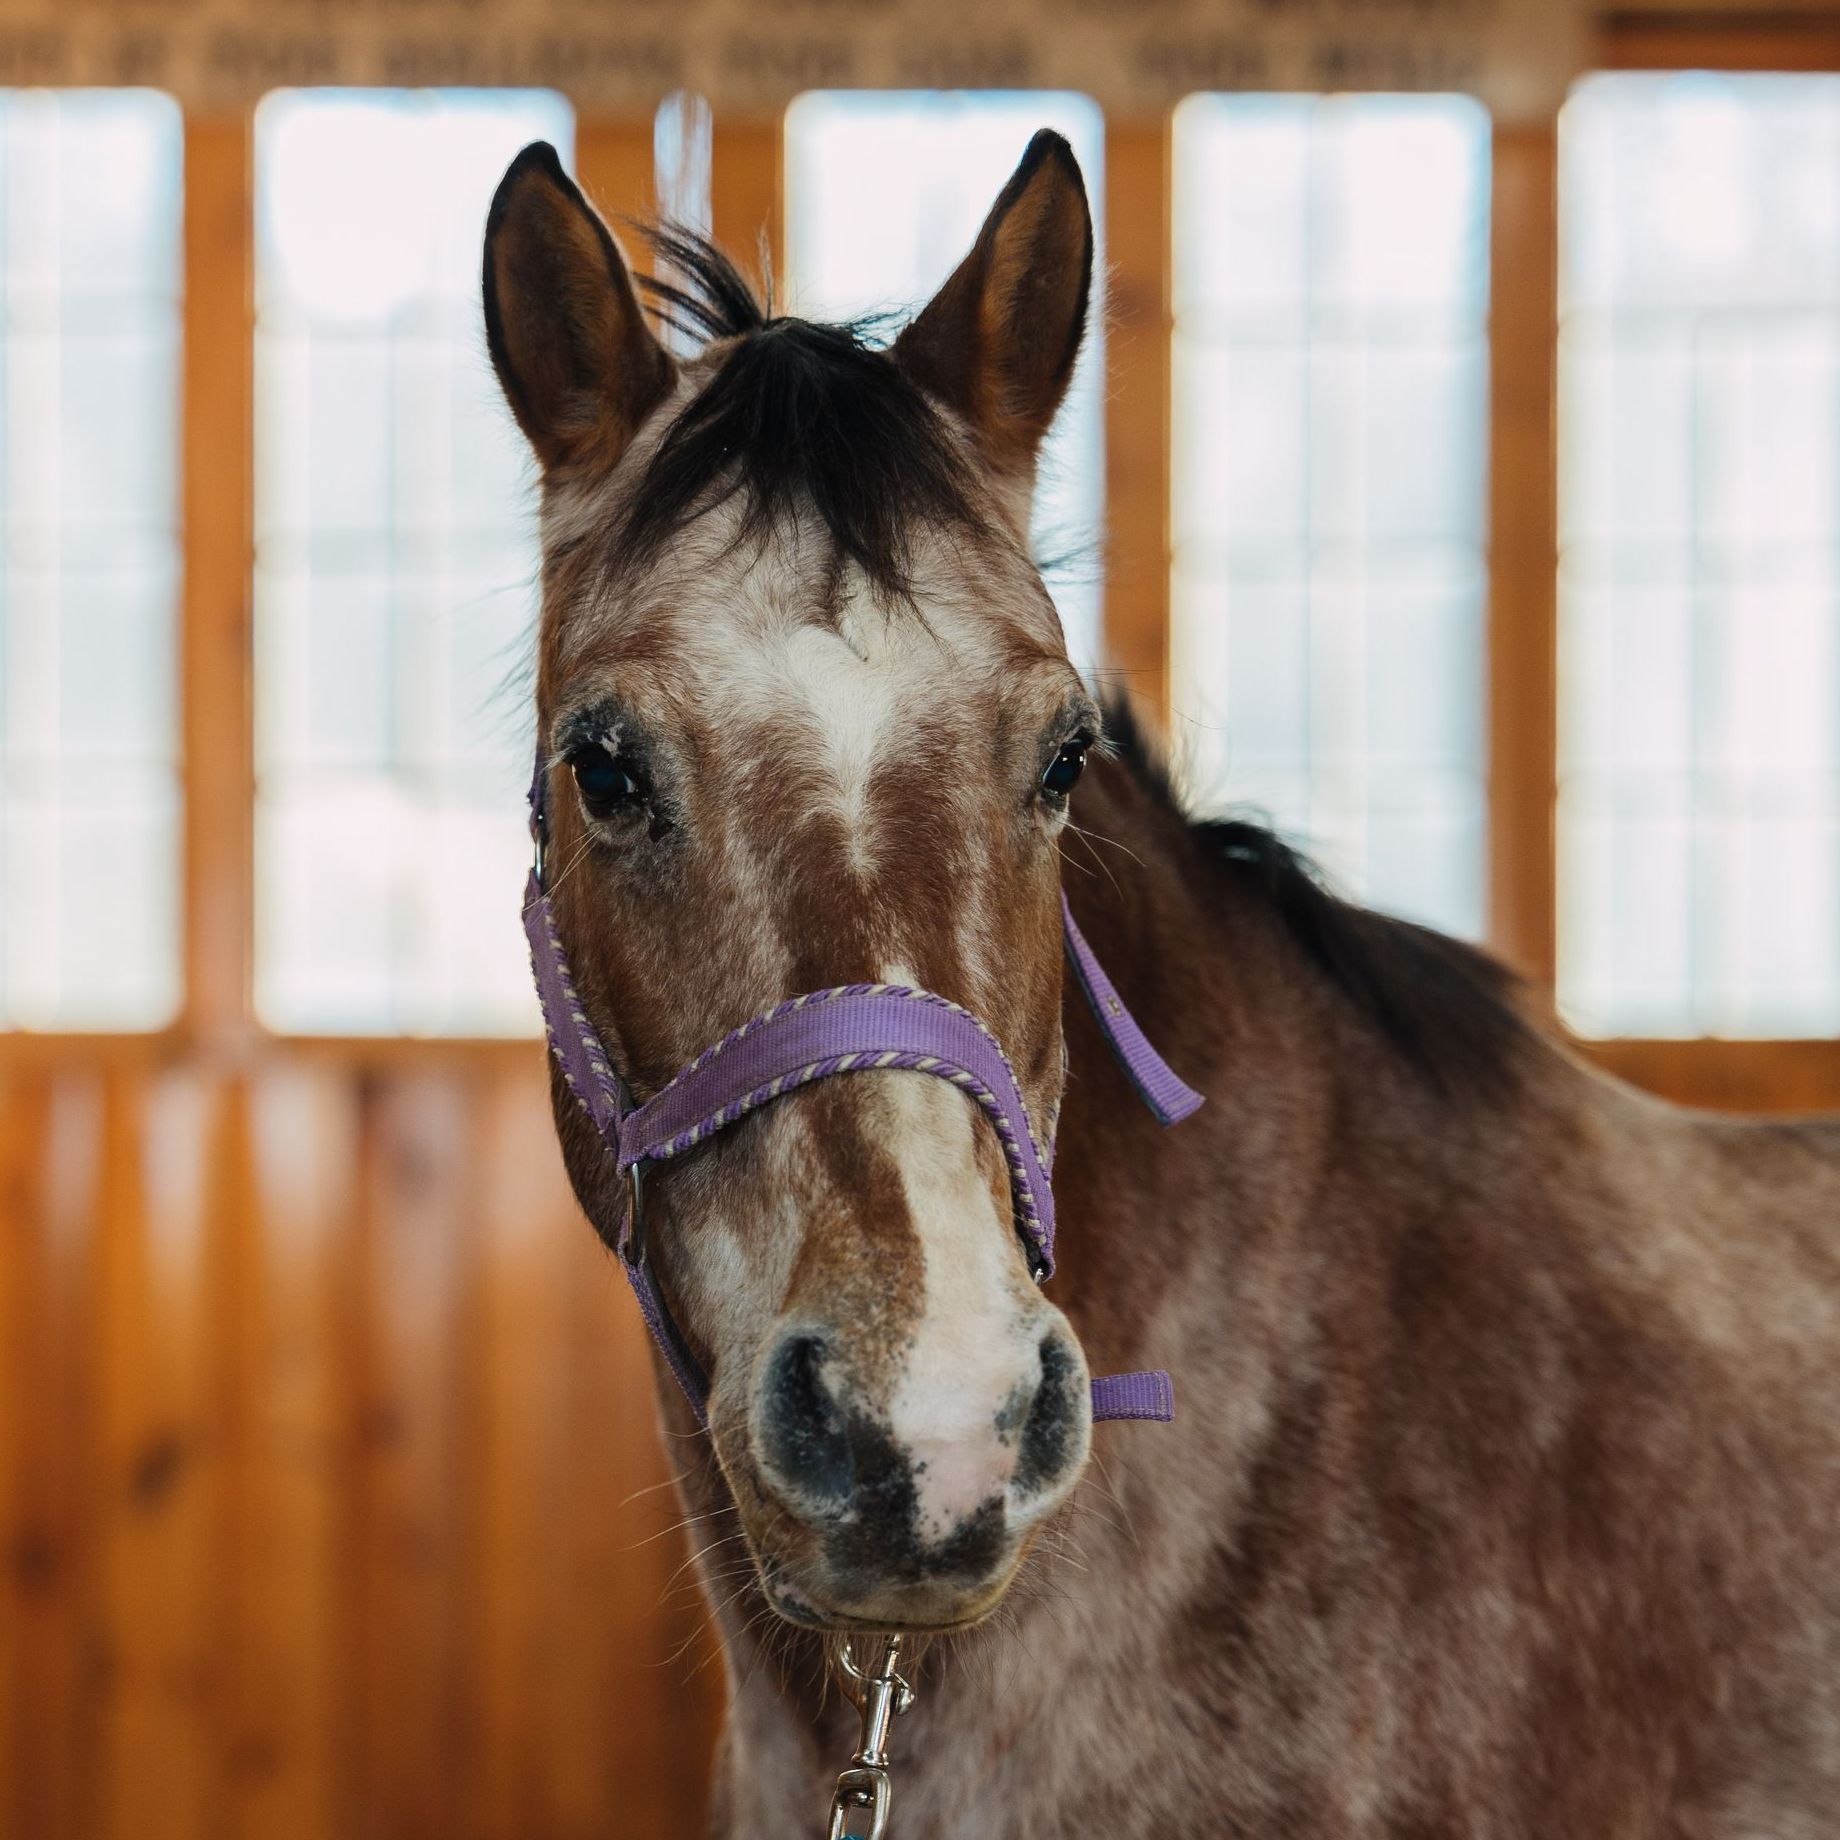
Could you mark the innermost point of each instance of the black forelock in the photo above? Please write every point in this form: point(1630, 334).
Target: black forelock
point(799, 418)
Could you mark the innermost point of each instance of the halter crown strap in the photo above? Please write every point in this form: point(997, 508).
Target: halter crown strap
point(852, 1028)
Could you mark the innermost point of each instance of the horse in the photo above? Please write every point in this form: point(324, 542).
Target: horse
point(1502, 1495)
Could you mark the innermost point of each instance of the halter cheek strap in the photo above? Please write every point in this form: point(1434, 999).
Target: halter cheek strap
point(850, 1028)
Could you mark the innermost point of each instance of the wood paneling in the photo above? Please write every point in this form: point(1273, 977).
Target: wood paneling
point(747, 209)
point(218, 386)
point(1523, 550)
point(1138, 329)
point(329, 1500)
point(613, 161)
point(1731, 1076)
point(1685, 38)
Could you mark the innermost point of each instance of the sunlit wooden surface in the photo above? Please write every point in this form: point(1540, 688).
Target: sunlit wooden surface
point(328, 1473)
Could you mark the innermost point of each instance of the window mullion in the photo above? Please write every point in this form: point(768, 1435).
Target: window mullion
point(1523, 549)
point(215, 652)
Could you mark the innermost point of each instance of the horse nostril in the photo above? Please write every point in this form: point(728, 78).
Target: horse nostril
point(1050, 1434)
point(803, 1437)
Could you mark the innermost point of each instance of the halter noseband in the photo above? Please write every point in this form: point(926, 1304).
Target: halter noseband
point(851, 1028)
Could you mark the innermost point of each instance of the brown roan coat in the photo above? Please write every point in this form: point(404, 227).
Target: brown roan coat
point(1503, 1496)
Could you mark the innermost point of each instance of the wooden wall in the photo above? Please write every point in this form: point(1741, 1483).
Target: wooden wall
point(330, 1498)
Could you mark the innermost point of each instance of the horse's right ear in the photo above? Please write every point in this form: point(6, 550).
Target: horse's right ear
point(578, 363)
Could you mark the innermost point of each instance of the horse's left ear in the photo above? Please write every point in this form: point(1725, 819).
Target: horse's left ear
point(998, 342)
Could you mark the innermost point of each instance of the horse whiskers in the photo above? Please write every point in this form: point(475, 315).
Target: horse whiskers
point(733, 1568)
point(568, 868)
point(1092, 836)
point(653, 1488)
point(1102, 867)
point(1089, 838)
point(683, 1524)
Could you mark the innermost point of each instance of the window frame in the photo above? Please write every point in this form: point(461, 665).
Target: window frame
point(1790, 1074)
point(216, 1016)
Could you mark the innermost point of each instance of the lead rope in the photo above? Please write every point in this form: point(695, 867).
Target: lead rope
point(863, 1790)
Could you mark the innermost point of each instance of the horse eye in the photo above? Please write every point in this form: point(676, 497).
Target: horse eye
point(608, 782)
point(1065, 769)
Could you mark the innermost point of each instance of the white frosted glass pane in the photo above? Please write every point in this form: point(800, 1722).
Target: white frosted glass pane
point(116, 428)
point(1240, 446)
point(1404, 203)
point(1771, 963)
point(89, 323)
point(1419, 862)
point(127, 712)
point(1266, 708)
point(351, 693)
point(473, 856)
point(885, 192)
point(1424, 679)
point(1396, 442)
point(1625, 921)
point(347, 432)
point(1769, 421)
point(1773, 665)
point(1627, 438)
point(328, 859)
point(1711, 190)
point(1330, 387)
point(1242, 218)
point(1626, 683)
point(484, 458)
point(396, 568)
point(1700, 555)
point(475, 737)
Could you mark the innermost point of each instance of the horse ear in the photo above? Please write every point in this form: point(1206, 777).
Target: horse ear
point(574, 355)
point(998, 342)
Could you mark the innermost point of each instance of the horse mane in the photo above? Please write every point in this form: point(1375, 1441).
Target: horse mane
point(1450, 1010)
point(798, 416)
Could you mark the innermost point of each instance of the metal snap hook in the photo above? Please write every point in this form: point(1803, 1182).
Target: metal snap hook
point(882, 1696)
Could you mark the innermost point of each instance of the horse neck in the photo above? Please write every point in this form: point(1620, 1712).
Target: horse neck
point(1151, 1216)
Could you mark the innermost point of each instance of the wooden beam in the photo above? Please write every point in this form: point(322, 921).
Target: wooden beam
point(747, 205)
point(219, 776)
point(613, 162)
point(1139, 326)
point(1734, 1076)
point(1687, 39)
point(1523, 551)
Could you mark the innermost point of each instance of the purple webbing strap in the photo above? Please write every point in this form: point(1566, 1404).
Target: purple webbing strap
point(1147, 1395)
point(857, 1028)
point(1169, 1100)
point(591, 1078)
point(572, 1039)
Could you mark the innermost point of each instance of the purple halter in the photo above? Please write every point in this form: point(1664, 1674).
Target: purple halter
point(852, 1028)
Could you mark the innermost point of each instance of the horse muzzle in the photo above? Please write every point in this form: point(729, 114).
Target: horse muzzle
point(916, 1514)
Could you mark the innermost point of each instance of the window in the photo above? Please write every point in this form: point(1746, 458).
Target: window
point(1699, 752)
point(396, 569)
point(1330, 400)
point(885, 192)
point(89, 349)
